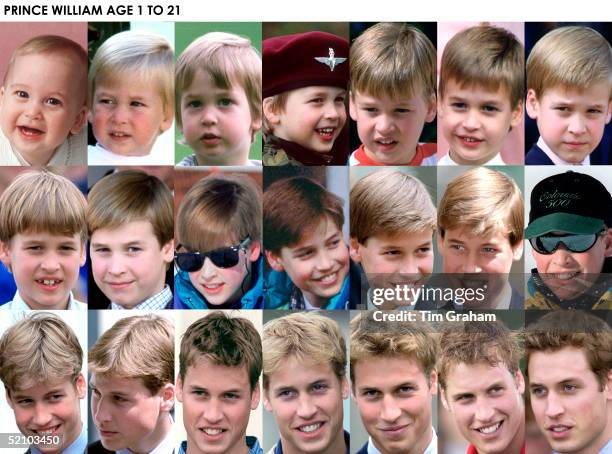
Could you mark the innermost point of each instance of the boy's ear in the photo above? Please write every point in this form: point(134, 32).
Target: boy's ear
point(517, 251)
point(433, 382)
point(83, 257)
point(5, 255)
point(355, 250)
point(168, 251)
point(439, 242)
point(270, 113)
point(447, 407)
point(431, 109)
point(166, 120)
point(167, 395)
point(352, 107)
point(255, 396)
point(275, 261)
point(254, 251)
point(520, 381)
point(532, 104)
point(517, 115)
point(79, 121)
point(81, 387)
point(608, 117)
point(346, 390)
point(8, 397)
point(266, 401)
point(608, 243)
point(179, 389)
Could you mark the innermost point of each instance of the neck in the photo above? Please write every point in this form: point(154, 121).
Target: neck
point(463, 162)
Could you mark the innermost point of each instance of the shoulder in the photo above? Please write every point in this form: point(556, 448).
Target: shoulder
point(536, 156)
point(364, 449)
point(188, 161)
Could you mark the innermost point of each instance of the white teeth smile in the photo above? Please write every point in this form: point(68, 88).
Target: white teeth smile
point(210, 431)
point(118, 134)
point(559, 429)
point(49, 281)
point(470, 139)
point(329, 278)
point(566, 276)
point(310, 428)
point(326, 131)
point(386, 142)
point(489, 429)
point(213, 286)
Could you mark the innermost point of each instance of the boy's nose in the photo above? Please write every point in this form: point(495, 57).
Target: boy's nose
point(332, 111)
point(33, 110)
point(50, 263)
point(42, 417)
point(577, 125)
point(384, 125)
point(120, 114)
point(208, 270)
point(209, 118)
point(471, 120)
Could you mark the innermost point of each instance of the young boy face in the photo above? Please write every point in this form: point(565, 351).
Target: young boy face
point(571, 121)
point(306, 400)
point(128, 263)
point(42, 102)
point(127, 415)
point(317, 264)
point(51, 409)
point(390, 128)
point(487, 405)
point(569, 405)
point(226, 285)
point(394, 399)
point(567, 273)
point(128, 114)
point(475, 121)
point(312, 117)
point(217, 402)
point(45, 267)
point(217, 122)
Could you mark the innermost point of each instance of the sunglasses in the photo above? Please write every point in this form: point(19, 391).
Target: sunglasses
point(225, 257)
point(548, 244)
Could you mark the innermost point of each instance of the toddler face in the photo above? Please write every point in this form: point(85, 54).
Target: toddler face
point(475, 121)
point(216, 122)
point(127, 115)
point(312, 117)
point(42, 103)
point(390, 128)
point(571, 121)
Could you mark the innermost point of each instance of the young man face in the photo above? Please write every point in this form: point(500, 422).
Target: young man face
point(127, 415)
point(390, 128)
point(45, 267)
point(217, 402)
point(475, 121)
point(572, 409)
point(317, 264)
point(128, 263)
point(567, 273)
point(571, 121)
point(306, 400)
point(312, 117)
point(394, 399)
point(52, 409)
point(487, 405)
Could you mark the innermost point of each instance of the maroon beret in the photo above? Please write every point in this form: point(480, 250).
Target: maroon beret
point(303, 60)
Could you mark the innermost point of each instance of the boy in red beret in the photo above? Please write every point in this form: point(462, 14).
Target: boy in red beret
point(305, 77)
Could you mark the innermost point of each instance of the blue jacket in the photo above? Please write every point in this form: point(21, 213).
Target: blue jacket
point(187, 297)
point(600, 156)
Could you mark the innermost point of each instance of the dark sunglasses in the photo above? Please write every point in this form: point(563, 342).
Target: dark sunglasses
point(225, 257)
point(548, 244)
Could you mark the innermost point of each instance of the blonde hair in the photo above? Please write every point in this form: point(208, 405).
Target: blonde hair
point(309, 337)
point(394, 60)
point(471, 343)
point(141, 346)
point(134, 54)
point(371, 338)
point(227, 59)
point(569, 57)
point(129, 196)
point(483, 201)
point(50, 45)
point(491, 57)
point(42, 201)
point(388, 202)
point(218, 209)
point(224, 340)
point(39, 349)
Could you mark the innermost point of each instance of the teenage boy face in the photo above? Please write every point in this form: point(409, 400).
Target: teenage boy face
point(217, 402)
point(476, 120)
point(487, 405)
point(317, 264)
point(128, 263)
point(217, 122)
point(41, 103)
point(570, 406)
point(127, 415)
point(313, 117)
point(390, 128)
point(306, 400)
point(571, 121)
point(50, 409)
point(394, 399)
point(45, 267)
point(567, 273)
point(226, 285)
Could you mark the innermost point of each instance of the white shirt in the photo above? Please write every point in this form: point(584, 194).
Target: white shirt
point(432, 447)
point(165, 447)
point(496, 160)
point(556, 159)
point(18, 304)
point(70, 153)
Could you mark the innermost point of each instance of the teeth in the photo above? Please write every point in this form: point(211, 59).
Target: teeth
point(567, 275)
point(489, 429)
point(325, 131)
point(559, 429)
point(49, 281)
point(386, 142)
point(310, 428)
point(211, 431)
point(329, 278)
point(118, 134)
point(213, 286)
point(470, 139)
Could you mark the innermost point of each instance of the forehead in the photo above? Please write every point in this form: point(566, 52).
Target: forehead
point(596, 92)
point(387, 371)
point(208, 374)
point(477, 92)
point(463, 235)
point(559, 365)
point(42, 389)
point(474, 378)
point(134, 231)
point(203, 80)
point(306, 92)
point(317, 233)
point(59, 62)
point(119, 385)
point(44, 237)
point(400, 239)
point(129, 83)
point(296, 373)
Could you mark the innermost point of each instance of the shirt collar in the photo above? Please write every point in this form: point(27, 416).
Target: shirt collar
point(18, 304)
point(78, 446)
point(556, 159)
point(156, 302)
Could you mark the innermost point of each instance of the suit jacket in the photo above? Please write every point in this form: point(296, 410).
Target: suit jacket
point(97, 448)
point(599, 156)
point(364, 449)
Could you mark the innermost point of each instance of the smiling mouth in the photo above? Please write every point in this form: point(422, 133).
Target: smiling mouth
point(310, 427)
point(326, 133)
point(212, 431)
point(119, 135)
point(30, 132)
point(488, 430)
point(47, 430)
point(327, 279)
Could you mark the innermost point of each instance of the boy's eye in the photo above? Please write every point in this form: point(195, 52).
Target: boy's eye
point(564, 109)
point(339, 99)
point(457, 247)
point(569, 388)
point(137, 104)
point(56, 397)
point(286, 394)
point(490, 109)
point(371, 110)
point(538, 391)
point(21, 94)
point(320, 387)
point(595, 111)
point(403, 110)
point(225, 102)
point(423, 250)
point(334, 243)
point(134, 249)
point(24, 402)
point(392, 252)
point(232, 396)
point(406, 390)
point(105, 101)
point(194, 104)
point(120, 399)
point(458, 105)
point(54, 102)
point(316, 100)
point(371, 393)
point(489, 250)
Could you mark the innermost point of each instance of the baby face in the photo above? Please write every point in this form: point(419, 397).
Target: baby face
point(127, 115)
point(41, 103)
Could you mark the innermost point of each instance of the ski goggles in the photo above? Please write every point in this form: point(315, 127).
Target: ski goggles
point(548, 244)
point(225, 257)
